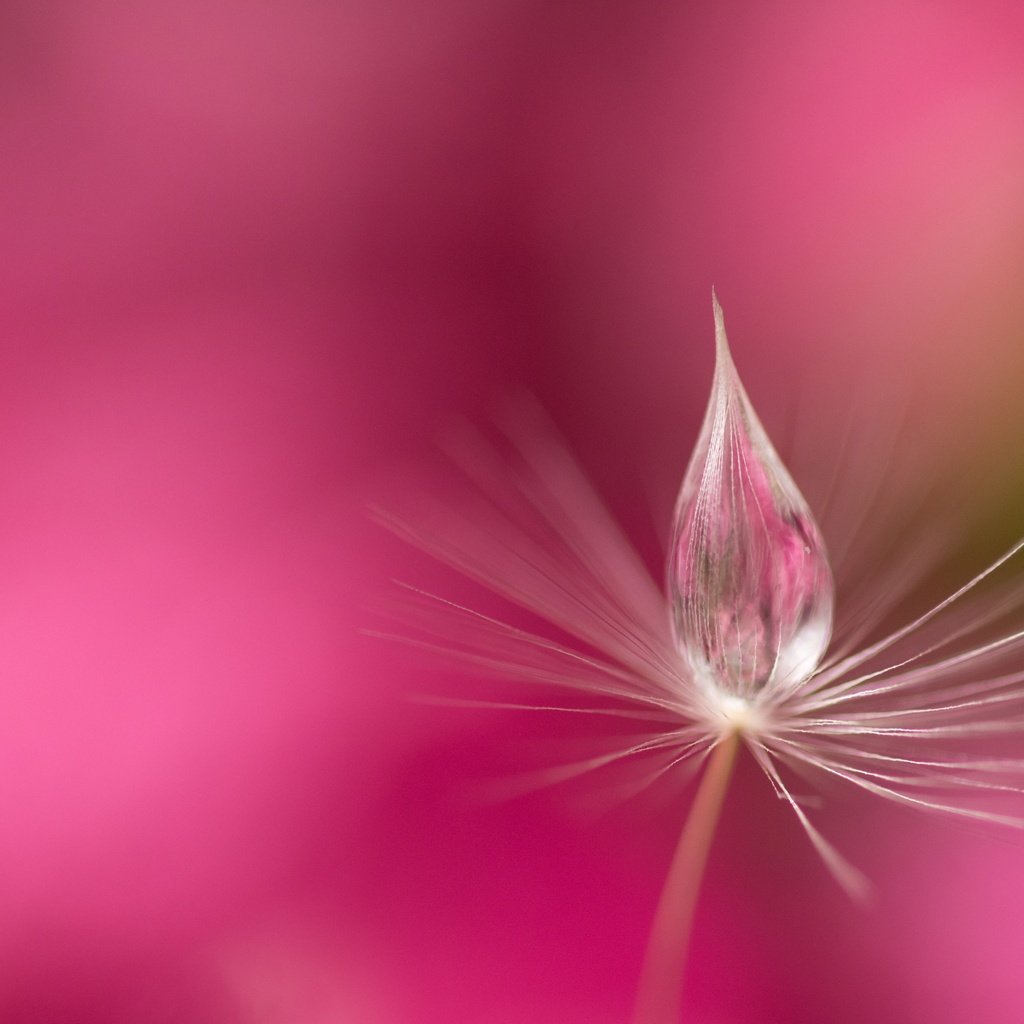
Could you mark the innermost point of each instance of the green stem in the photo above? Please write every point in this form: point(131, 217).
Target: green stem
point(661, 981)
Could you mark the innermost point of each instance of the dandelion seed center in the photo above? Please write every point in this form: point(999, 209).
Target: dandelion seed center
point(738, 714)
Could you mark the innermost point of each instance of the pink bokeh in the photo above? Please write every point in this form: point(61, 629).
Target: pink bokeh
point(257, 258)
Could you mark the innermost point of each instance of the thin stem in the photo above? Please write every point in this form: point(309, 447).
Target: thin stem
point(661, 981)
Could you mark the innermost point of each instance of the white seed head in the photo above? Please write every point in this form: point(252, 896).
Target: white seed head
point(739, 715)
point(738, 646)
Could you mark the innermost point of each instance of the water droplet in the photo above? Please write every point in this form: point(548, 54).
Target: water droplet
point(749, 580)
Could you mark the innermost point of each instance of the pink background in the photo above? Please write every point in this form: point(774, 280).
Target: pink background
point(256, 257)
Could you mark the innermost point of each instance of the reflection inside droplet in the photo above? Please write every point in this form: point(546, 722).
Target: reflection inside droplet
point(748, 577)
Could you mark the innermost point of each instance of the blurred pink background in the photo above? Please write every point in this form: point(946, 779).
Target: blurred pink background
point(256, 257)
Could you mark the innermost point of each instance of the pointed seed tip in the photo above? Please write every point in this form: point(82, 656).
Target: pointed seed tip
point(716, 307)
point(721, 341)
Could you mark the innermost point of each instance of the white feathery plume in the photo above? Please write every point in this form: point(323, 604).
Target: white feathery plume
point(737, 651)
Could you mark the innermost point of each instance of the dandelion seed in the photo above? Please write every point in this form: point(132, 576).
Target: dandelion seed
point(736, 654)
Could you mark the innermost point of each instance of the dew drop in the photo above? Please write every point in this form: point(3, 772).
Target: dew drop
point(749, 580)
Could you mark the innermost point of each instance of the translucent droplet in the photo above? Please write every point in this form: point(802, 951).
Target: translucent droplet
point(749, 580)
